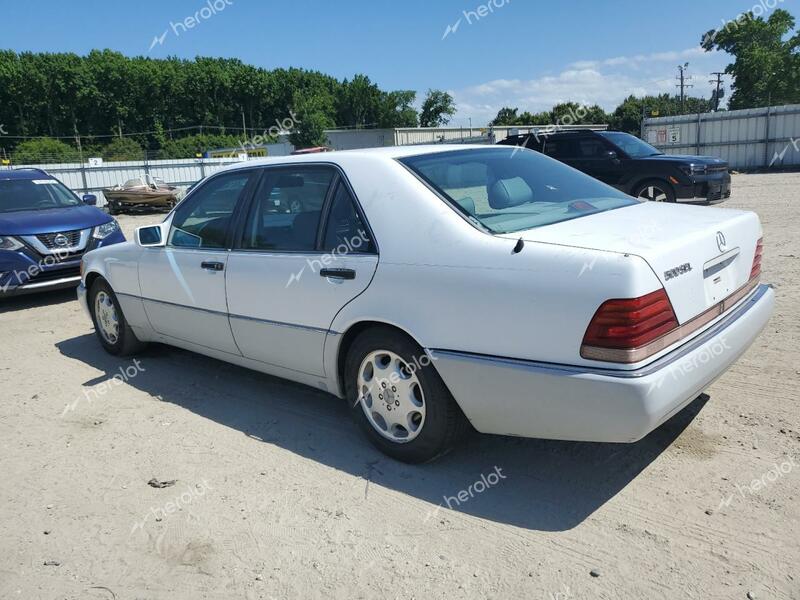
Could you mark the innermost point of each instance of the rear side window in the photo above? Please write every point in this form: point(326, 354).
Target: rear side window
point(345, 232)
point(203, 220)
point(286, 211)
point(507, 189)
point(559, 148)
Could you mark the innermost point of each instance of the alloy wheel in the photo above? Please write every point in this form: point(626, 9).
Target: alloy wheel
point(106, 316)
point(391, 396)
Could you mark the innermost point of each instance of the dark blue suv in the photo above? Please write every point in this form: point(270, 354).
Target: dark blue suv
point(45, 230)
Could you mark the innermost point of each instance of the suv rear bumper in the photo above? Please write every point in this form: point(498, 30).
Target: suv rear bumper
point(541, 400)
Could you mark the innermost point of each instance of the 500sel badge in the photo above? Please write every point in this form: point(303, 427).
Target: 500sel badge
point(677, 271)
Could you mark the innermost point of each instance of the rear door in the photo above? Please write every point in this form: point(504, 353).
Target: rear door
point(304, 252)
point(183, 284)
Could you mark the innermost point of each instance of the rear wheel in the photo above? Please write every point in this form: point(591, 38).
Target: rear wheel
point(398, 399)
point(655, 190)
point(112, 329)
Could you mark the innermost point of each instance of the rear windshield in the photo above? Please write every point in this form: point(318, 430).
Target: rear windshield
point(511, 189)
point(34, 194)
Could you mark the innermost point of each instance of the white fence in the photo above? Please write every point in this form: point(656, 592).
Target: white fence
point(756, 138)
point(86, 179)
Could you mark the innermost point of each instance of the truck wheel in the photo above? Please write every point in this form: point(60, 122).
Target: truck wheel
point(655, 190)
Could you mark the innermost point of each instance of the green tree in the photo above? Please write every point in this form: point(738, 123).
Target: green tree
point(628, 115)
point(506, 116)
point(44, 150)
point(766, 66)
point(123, 149)
point(437, 109)
point(313, 118)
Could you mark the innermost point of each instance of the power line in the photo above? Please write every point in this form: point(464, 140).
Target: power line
point(683, 85)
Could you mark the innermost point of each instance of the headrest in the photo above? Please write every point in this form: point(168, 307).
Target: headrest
point(506, 193)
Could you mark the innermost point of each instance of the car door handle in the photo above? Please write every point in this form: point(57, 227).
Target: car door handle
point(213, 266)
point(338, 273)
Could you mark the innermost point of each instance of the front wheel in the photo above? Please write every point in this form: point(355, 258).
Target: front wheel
point(398, 398)
point(655, 190)
point(112, 329)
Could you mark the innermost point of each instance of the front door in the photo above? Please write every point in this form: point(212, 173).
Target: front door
point(183, 284)
point(304, 253)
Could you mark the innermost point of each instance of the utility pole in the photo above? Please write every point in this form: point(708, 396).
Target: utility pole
point(683, 85)
point(717, 96)
point(244, 127)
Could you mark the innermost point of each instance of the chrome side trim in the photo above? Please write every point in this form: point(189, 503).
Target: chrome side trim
point(565, 370)
point(232, 316)
point(634, 355)
point(52, 282)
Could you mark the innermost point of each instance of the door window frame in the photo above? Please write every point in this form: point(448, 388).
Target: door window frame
point(339, 177)
point(243, 199)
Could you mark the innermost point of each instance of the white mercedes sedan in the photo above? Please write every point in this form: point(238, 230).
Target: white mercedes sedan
point(439, 289)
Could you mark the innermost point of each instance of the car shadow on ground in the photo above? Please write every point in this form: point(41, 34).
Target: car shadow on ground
point(39, 300)
point(545, 485)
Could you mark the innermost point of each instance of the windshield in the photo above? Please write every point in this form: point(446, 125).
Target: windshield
point(34, 194)
point(630, 144)
point(512, 189)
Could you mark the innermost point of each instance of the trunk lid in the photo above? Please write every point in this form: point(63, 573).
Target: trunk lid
point(701, 255)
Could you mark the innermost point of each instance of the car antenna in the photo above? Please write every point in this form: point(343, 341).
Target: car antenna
point(518, 248)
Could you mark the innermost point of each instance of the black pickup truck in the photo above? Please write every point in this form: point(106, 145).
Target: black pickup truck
point(633, 166)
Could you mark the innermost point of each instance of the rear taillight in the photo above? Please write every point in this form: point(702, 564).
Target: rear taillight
point(756, 270)
point(621, 330)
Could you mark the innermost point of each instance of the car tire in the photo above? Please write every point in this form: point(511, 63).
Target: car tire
point(655, 190)
point(113, 209)
point(110, 325)
point(408, 384)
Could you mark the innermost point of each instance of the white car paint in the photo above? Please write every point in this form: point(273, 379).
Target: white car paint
point(505, 328)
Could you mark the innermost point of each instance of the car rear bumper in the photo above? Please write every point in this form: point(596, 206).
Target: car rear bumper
point(541, 400)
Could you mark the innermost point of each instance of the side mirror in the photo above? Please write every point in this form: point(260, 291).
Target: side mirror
point(150, 236)
point(90, 199)
point(612, 155)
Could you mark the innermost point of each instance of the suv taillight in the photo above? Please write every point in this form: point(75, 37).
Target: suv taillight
point(756, 270)
point(621, 330)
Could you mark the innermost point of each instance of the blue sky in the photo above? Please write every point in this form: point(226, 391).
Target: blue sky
point(524, 53)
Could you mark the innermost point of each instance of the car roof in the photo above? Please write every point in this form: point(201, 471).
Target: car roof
point(25, 174)
point(388, 152)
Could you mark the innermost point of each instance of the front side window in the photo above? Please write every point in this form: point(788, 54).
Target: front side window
point(203, 220)
point(507, 189)
point(630, 144)
point(34, 194)
point(286, 211)
point(590, 148)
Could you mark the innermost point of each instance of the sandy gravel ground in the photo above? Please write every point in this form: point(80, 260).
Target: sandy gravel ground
point(278, 496)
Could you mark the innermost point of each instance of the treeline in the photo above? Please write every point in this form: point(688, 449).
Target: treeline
point(626, 117)
point(106, 93)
